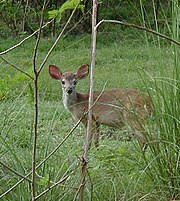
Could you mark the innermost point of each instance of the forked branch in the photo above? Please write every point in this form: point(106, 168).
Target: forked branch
point(36, 109)
point(15, 172)
point(37, 73)
point(140, 28)
point(25, 39)
point(17, 68)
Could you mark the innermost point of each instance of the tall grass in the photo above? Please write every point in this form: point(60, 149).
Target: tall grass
point(163, 157)
point(163, 160)
point(158, 16)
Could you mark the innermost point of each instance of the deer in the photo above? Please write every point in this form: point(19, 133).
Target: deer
point(115, 107)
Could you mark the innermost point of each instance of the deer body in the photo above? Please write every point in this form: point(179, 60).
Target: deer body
point(115, 108)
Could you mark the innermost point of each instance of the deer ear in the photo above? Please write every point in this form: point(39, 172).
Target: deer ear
point(83, 72)
point(55, 72)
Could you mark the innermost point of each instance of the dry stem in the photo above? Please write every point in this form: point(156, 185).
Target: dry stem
point(15, 172)
point(55, 43)
point(89, 122)
point(28, 37)
point(138, 27)
point(54, 185)
point(17, 68)
point(36, 110)
point(37, 73)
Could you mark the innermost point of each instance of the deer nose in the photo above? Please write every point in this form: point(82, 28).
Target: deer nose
point(69, 91)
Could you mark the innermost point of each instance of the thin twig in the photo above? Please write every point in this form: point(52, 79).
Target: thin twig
point(81, 185)
point(79, 189)
point(83, 162)
point(52, 182)
point(138, 27)
point(15, 172)
point(59, 182)
point(91, 198)
point(51, 187)
point(55, 43)
point(28, 37)
point(54, 185)
point(89, 120)
point(36, 107)
point(17, 68)
point(77, 23)
point(92, 72)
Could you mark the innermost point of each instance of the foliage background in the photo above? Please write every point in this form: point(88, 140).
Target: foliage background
point(22, 17)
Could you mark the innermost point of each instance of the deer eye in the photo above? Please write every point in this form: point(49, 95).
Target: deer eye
point(63, 82)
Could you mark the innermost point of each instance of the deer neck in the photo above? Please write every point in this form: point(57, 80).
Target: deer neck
point(70, 100)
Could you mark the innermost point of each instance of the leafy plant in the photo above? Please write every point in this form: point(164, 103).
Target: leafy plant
point(68, 5)
point(163, 161)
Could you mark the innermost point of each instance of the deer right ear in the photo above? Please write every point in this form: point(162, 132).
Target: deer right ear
point(83, 72)
point(55, 72)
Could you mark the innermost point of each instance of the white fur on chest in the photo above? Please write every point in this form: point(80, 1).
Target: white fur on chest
point(73, 104)
point(69, 100)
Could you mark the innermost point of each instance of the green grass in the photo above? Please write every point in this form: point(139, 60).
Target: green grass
point(118, 170)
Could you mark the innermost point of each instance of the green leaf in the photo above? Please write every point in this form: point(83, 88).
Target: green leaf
point(44, 181)
point(2, 1)
point(68, 5)
point(53, 14)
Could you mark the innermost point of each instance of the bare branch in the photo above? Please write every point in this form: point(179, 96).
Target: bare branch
point(55, 43)
point(89, 120)
point(15, 172)
point(138, 27)
point(54, 185)
point(77, 22)
point(92, 69)
point(17, 68)
point(28, 37)
point(36, 108)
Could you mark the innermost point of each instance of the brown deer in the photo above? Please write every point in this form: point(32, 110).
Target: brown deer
point(115, 108)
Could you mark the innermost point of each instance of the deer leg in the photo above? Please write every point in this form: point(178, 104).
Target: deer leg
point(141, 139)
point(96, 133)
point(137, 126)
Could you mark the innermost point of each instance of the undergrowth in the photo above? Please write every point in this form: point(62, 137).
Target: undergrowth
point(117, 171)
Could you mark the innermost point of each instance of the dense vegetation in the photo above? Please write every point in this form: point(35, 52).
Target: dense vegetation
point(126, 58)
point(20, 18)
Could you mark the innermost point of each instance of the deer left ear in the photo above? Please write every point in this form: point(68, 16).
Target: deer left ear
point(83, 72)
point(55, 72)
